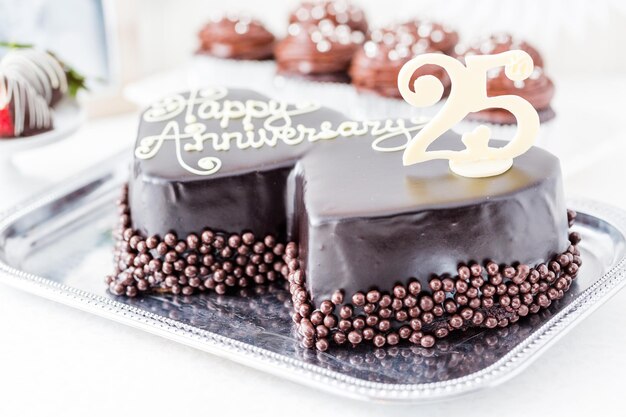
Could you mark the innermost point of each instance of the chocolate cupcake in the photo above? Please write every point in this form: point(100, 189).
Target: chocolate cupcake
point(320, 52)
point(537, 89)
point(376, 65)
point(435, 36)
point(23, 112)
point(497, 43)
point(339, 12)
point(236, 37)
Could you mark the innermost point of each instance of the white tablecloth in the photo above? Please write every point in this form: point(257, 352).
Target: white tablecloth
point(58, 361)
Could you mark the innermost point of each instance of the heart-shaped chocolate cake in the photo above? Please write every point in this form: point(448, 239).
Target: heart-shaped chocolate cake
point(232, 189)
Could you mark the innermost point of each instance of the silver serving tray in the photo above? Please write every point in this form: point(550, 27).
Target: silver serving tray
point(59, 246)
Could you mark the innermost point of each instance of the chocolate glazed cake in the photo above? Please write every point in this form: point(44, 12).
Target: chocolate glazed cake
point(230, 189)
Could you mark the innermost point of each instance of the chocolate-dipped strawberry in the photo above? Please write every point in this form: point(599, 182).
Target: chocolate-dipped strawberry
point(23, 112)
point(537, 89)
point(236, 37)
point(500, 42)
point(376, 65)
point(320, 52)
point(339, 12)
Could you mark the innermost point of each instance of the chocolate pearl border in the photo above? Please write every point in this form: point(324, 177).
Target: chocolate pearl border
point(207, 261)
point(483, 296)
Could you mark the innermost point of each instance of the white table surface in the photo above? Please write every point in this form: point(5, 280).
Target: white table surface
point(58, 361)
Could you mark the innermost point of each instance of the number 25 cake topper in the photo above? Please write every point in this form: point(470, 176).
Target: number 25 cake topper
point(468, 94)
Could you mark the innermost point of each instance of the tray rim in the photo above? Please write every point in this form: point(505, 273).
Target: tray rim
point(317, 377)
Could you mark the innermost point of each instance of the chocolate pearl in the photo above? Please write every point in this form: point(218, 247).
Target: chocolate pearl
point(464, 273)
point(355, 337)
point(491, 322)
point(401, 316)
point(384, 325)
point(258, 247)
point(474, 303)
point(170, 239)
point(369, 308)
point(478, 318)
point(505, 300)
point(326, 307)
point(415, 287)
point(399, 291)
point(527, 298)
point(523, 310)
point(461, 299)
point(476, 270)
point(345, 312)
point(435, 284)
point(248, 238)
point(508, 272)
point(492, 268)
point(441, 332)
point(162, 249)
point(533, 276)
point(472, 292)
point(337, 297)
point(317, 317)
point(572, 269)
point(575, 238)
point(426, 303)
point(553, 293)
point(358, 299)
point(393, 339)
point(513, 290)
point(554, 267)
point(496, 279)
point(142, 285)
point(306, 328)
point(456, 321)
point(131, 292)
point(427, 341)
point(339, 338)
point(428, 317)
point(220, 289)
point(379, 340)
point(397, 304)
point(230, 281)
point(385, 301)
point(414, 312)
point(191, 271)
point(410, 301)
point(218, 242)
point(344, 325)
point(438, 311)
point(439, 296)
point(207, 237)
point(543, 300)
point(373, 296)
point(415, 337)
point(416, 324)
point(477, 282)
point(385, 313)
point(450, 306)
point(461, 286)
point(191, 259)
point(321, 345)
point(525, 287)
point(371, 320)
point(467, 313)
point(330, 321)
point(368, 333)
point(321, 331)
point(405, 332)
point(358, 323)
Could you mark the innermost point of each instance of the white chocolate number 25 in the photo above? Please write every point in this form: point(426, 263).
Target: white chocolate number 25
point(468, 94)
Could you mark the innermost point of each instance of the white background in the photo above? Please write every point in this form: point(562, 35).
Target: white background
point(56, 361)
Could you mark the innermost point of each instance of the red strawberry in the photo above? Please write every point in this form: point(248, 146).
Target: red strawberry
point(7, 129)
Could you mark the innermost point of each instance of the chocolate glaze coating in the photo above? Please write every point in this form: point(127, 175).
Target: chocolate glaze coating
point(236, 38)
point(360, 217)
